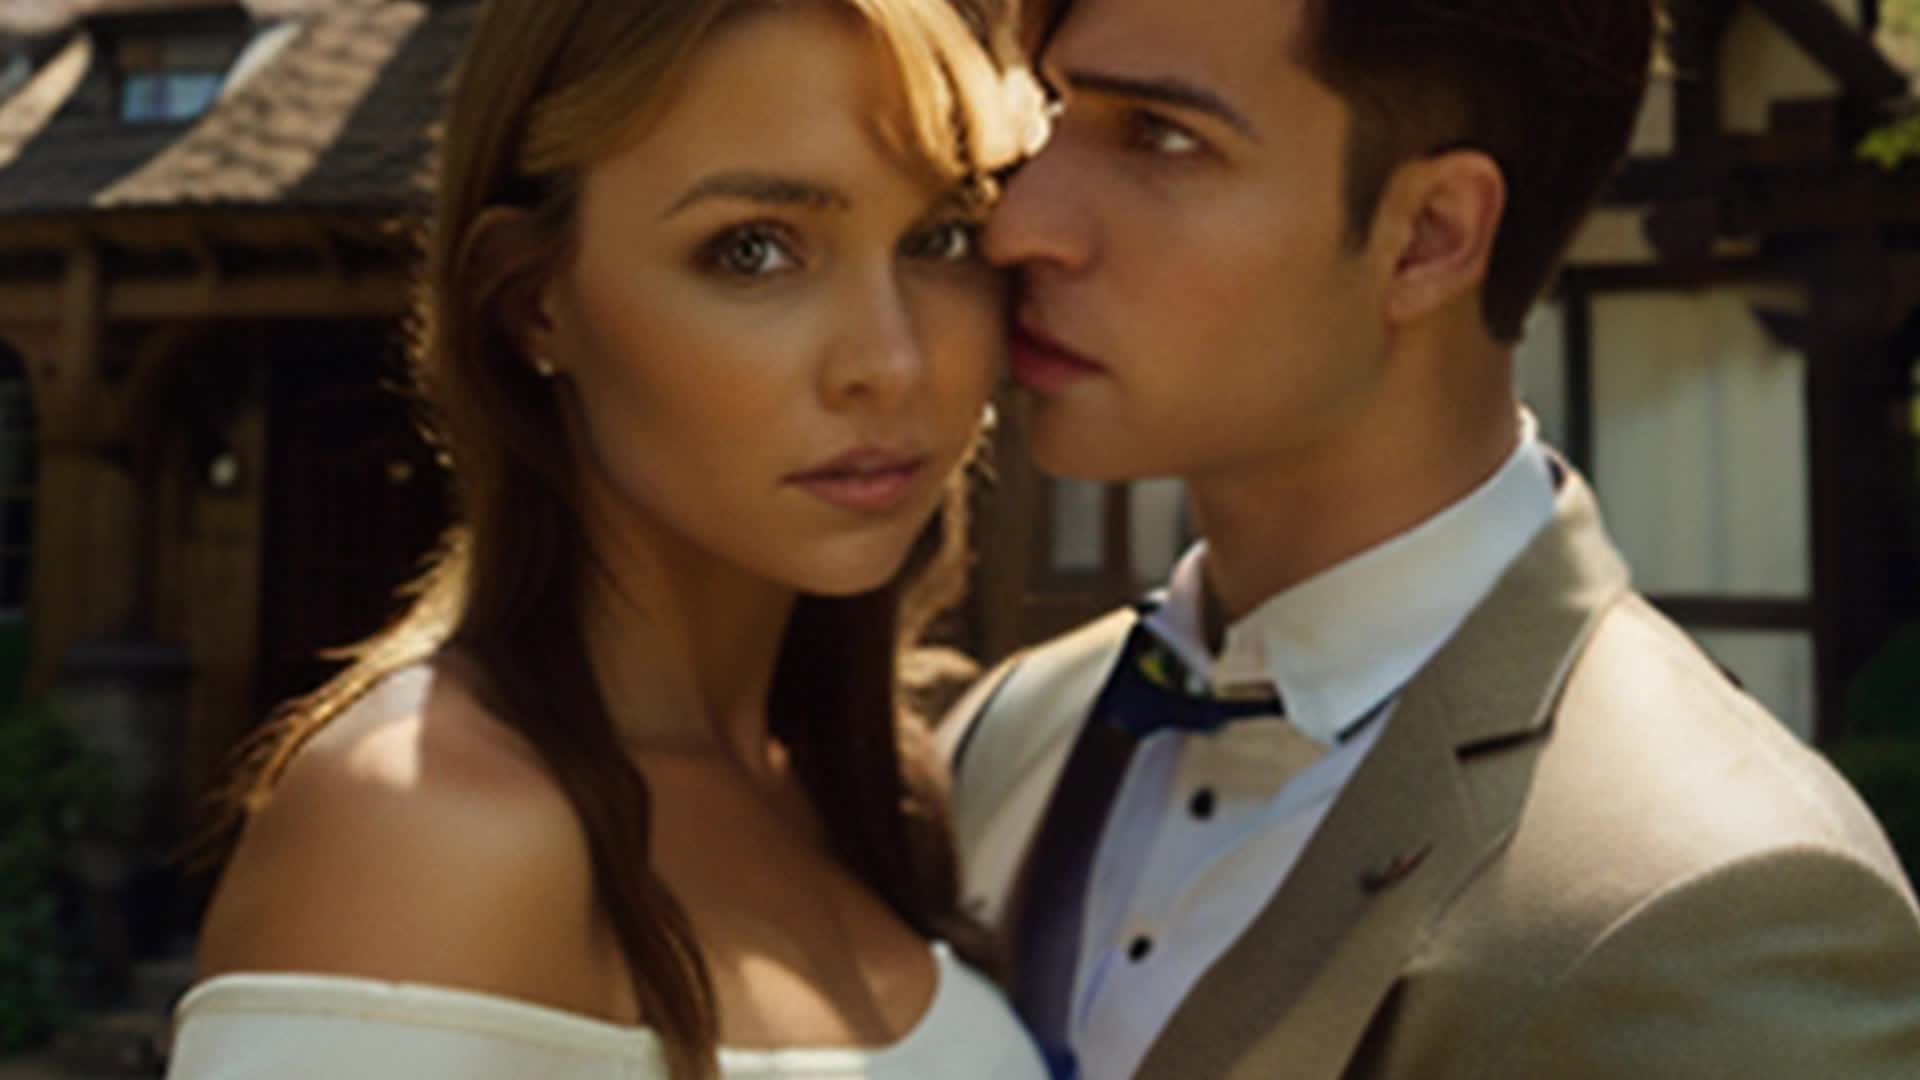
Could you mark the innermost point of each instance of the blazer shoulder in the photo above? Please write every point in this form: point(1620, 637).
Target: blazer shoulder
point(1005, 740)
point(1029, 695)
point(1673, 842)
point(1795, 961)
point(1722, 762)
point(1654, 770)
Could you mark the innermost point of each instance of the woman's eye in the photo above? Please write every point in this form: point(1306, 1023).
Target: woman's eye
point(946, 241)
point(750, 251)
point(1156, 134)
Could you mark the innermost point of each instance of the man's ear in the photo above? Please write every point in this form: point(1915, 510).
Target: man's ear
point(1446, 212)
point(506, 256)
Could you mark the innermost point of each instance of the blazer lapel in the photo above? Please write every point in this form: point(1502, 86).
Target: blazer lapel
point(1295, 993)
point(1011, 771)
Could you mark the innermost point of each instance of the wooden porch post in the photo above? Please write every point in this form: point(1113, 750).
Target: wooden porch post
point(1004, 528)
point(87, 527)
point(1849, 437)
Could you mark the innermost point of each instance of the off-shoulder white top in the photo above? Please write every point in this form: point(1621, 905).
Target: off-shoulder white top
point(309, 1027)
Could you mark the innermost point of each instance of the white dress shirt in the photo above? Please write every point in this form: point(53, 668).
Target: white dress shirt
point(1205, 828)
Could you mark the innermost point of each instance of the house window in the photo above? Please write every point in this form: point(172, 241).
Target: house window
point(1701, 444)
point(15, 69)
point(1692, 421)
point(16, 484)
point(170, 80)
point(1158, 529)
point(1541, 375)
point(1775, 666)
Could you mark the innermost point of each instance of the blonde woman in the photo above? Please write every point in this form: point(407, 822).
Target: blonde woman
point(626, 793)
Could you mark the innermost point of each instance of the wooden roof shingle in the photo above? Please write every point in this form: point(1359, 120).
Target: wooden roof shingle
point(46, 16)
point(340, 115)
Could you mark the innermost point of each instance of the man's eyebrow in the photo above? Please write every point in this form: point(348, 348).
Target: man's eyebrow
point(1168, 90)
point(761, 187)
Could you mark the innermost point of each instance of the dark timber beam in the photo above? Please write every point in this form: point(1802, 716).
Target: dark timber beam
point(1839, 46)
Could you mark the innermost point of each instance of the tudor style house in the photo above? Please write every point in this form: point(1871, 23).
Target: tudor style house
point(203, 268)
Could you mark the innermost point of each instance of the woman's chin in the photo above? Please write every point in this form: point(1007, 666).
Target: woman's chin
point(848, 573)
point(844, 585)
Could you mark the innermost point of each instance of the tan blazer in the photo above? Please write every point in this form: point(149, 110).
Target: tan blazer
point(1576, 851)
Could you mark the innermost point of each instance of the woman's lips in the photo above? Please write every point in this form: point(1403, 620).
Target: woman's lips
point(1044, 365)
point(864, 481)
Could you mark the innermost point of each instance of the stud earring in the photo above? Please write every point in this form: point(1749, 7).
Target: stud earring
point(544, 367)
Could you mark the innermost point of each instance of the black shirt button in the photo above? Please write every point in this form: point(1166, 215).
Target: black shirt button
point(1141, 946)
point(1202, 804)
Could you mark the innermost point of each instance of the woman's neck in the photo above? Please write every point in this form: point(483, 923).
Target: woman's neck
point(683, 644)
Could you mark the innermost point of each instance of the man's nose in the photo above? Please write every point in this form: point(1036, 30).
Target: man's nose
point(1044, 215)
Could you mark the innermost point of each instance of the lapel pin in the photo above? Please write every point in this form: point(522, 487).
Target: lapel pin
point(1380, 879)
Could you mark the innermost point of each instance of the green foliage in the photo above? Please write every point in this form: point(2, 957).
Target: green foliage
point(1892, 145)
point(49, 788)
point(15, 646)
point(1886, 772)
point(1884, 698)
point(1898, 142)
point(1901, 17)
point(1881, 754)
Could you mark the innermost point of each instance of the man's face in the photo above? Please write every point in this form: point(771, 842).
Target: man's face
point(1188, 301)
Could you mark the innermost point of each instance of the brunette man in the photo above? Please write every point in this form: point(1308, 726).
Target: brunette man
point(1398, 777)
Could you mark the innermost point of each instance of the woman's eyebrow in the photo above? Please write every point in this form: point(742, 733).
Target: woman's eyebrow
point(761, 187)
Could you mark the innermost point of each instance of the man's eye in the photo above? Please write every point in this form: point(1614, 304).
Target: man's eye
point(750, 251)
point(1156, 134)
point(946, 241)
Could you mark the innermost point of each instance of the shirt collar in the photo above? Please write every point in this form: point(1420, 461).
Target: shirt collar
point(1342, 643)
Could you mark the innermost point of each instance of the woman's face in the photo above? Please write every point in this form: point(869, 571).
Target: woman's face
point(776, 337)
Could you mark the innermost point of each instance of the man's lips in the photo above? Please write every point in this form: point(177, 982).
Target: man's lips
point(1039, 363)
point(865, 480)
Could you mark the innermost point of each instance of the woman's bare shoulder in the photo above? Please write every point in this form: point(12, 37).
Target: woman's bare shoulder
point(415, 838)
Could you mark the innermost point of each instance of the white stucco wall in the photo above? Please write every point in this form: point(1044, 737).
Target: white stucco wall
point(1760, 65)
point(1699, 460)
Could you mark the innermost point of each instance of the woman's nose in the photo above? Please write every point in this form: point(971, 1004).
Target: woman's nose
point(877, 357)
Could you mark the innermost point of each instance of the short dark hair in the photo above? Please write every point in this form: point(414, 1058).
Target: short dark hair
point(1550, 89)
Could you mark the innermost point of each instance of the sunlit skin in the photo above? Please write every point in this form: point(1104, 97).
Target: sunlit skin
point(764, 280)
point(1189, 301)
point(759, 290)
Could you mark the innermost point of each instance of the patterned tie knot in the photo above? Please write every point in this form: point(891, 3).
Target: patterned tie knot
point(1152, 689)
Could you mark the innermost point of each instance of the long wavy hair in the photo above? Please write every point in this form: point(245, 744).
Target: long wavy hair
point(545, 90)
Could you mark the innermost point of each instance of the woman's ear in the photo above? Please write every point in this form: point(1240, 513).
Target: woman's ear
point(505, 256)
point(1447, 210)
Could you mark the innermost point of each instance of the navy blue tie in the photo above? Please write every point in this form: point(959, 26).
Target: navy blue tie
point(1148, 690)
point(1151, 690)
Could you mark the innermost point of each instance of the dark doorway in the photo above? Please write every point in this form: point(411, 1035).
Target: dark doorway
point(18, 465)
point(354, 500)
